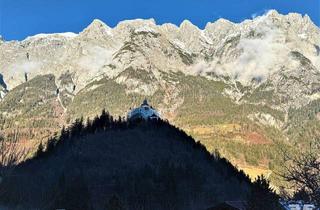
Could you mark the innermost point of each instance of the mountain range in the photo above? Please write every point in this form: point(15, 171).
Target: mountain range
point(245, 89)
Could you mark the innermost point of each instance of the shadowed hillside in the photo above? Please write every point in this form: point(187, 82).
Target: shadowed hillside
point(145, 165)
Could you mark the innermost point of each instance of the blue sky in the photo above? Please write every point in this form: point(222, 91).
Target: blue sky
point(22, 18)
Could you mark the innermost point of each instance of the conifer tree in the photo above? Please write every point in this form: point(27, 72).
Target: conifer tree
point(114, 203)
point(262, 196)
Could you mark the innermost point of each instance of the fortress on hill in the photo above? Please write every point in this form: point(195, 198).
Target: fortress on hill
point(144, 112)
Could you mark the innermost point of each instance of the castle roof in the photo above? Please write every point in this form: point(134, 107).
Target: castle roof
point(145, 103)
point(145, 111)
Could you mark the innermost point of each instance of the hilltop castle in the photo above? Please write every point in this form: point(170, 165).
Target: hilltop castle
point(145, 112)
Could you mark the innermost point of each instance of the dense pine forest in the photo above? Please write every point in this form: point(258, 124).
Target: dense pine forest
point(114, 164)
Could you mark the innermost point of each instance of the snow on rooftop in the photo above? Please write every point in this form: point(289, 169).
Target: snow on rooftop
point(145, 111)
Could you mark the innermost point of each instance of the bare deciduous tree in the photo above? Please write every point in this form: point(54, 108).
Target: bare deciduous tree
point(303, 172)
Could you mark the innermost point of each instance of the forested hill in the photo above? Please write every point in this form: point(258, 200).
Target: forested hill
point(114, 164)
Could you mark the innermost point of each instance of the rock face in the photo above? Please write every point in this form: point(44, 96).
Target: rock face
point(269, 47)
point(3, 87)
point(225, 73)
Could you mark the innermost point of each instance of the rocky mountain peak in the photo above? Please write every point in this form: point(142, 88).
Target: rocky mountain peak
point(272, 13)
point(191, 35)
point(97, 28)
point(126, 28)
point(307, 19)
point(220, 21)
point(186, 25)
point(136, 23)
point(169, 27)
point(170, 30)
point(218, 29)
point(96, 23)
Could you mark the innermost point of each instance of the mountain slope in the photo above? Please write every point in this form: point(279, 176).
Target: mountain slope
point(149, 165)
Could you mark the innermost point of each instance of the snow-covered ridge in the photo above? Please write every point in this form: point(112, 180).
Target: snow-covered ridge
point(67, 35)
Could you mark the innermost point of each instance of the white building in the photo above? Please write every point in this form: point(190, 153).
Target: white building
point(297, 205)
point(145, 112)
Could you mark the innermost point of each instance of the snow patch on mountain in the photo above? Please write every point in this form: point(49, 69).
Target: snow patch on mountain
point(67, 35)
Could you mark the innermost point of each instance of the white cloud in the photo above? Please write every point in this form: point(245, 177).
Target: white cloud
point(94, 58)
point(258, 57)
point(16, 72)
point(260, 13)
